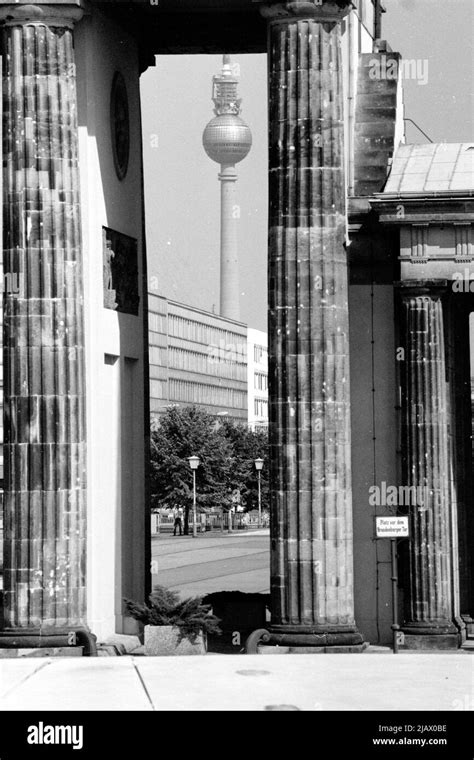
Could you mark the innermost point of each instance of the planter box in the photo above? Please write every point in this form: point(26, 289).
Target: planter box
point(166, 640)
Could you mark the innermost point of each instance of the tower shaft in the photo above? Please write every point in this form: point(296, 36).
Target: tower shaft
point(229, 263)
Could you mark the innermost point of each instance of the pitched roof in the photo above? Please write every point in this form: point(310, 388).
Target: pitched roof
point(432, 168)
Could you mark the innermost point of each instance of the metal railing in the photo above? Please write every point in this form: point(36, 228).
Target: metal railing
point(214, 521)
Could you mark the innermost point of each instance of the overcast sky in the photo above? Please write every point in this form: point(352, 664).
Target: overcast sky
point(181, 186)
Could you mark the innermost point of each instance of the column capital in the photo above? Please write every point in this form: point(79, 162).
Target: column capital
point(42, 13)
point(320, 10)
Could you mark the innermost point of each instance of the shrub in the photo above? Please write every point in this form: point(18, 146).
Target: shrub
point(166, 608)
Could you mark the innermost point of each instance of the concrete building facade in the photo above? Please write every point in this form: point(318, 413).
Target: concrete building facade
point(196, 357)
point(201, 358)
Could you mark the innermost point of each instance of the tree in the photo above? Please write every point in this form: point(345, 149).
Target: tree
point(247, 446)
point(227, 452)
point(180, 433)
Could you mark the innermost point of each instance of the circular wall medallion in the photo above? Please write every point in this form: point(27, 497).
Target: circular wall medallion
point(120, 125)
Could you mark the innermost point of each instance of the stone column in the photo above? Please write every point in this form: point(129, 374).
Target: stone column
point(427, 467)
point(45, 496)
point(310, 445)
point(459, 371)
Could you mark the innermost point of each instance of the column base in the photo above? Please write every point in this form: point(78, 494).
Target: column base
point(430, 638)
point(462, 628)
point(277, 649)
point(56, 638)
point(306, 641)
point(468, 621)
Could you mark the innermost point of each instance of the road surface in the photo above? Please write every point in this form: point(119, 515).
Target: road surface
point(212, 562)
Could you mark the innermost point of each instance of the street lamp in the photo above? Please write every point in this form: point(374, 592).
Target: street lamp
point(194, 463)
point(219, 417)
point(259, 467)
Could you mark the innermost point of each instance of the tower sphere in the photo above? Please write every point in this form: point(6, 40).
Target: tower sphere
point(227, 139)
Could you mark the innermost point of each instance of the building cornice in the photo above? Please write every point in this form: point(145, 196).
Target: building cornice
point(320, 10)
point(416, 208)
point(48, 14)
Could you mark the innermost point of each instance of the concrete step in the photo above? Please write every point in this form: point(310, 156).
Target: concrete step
point(6, 654)
point(468, 645)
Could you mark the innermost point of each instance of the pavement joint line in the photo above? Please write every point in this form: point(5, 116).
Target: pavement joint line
point(250, 551)
point(220, 547)
point(210, 578)
point(26, 678)
point(216, 535)
point(198, 561)
point(217, 532)
point(212, 561)
point(143, 685)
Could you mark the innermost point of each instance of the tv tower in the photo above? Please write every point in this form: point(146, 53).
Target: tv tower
point(227, 139)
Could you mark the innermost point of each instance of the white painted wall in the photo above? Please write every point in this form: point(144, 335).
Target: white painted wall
point(114, 342)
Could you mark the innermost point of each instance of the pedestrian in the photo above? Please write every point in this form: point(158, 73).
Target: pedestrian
point(178, 520)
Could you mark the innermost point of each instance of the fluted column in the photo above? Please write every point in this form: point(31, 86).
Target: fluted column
point(425, 430)
point(45, 498)
point(458, 360)
point(310, 445)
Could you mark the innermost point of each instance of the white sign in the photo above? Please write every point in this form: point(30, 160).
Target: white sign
point(392, 527)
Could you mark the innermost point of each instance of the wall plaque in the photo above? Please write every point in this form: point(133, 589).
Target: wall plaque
point(120, 125)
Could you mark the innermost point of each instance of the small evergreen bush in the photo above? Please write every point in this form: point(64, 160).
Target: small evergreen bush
point(166, 608)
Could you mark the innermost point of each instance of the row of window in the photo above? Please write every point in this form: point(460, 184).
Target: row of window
point(260, 407)
point(260, 381)
point(260, 354)
point(157, 322)
point(210, 364)
point(189, 329)
point(200, 393)
point(214, 362)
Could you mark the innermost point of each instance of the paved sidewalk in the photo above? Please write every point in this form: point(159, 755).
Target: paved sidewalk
point(247, 682)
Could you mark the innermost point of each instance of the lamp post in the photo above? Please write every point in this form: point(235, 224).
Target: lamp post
point(194, 463)
point(259, 467)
